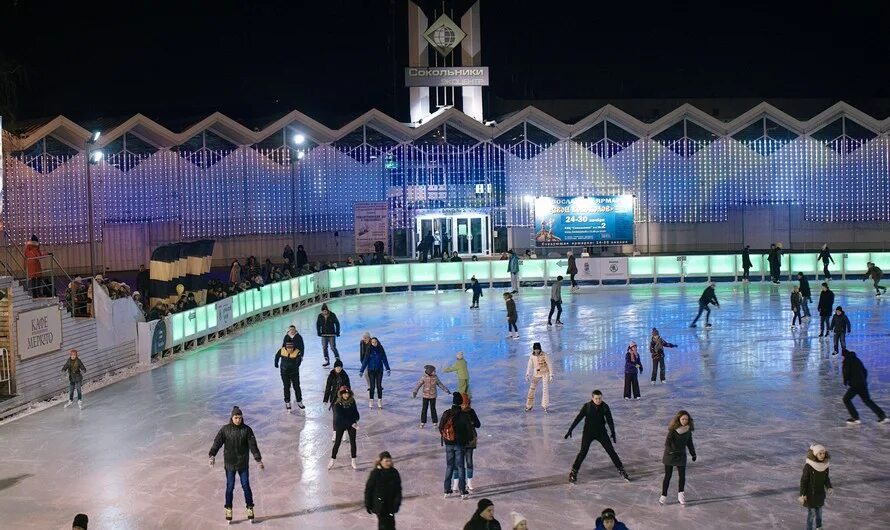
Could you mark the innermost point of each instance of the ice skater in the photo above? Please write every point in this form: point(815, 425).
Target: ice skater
point(477, 292)
point(806, 296)
point(841, 326)
point(596, 416)
point(290, 357)
point(483, 517)
point(796, 301)
point(337, 379)
point(375, 362)
point(555, 302)
point(825, 305)
point(429, 381)
point(572, 270)
point(346, 418)
point(607, 521)
point(679, 438)
point(856, 381)
point(292, 336)
point(462, 371)
point(513, 269)
point(746, 263)
point(775, 261)
point(512, 317)
point(538, 371)
point(75, 368)
point(328, 327)
point(383, 492)
point(632, 364)
point(456, 432)
point(875, 273)
point(657, 344)
point(239, 440)
point(364, 346)
point(470, 448)
point(815, 484)
point(707, 298)
point(825, 256)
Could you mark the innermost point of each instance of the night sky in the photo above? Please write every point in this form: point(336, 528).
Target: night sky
point(335, 59)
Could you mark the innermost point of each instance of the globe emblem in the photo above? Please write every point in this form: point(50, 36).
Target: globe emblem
point(443, 37)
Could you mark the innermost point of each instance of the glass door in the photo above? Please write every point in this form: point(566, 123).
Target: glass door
point(463, 235)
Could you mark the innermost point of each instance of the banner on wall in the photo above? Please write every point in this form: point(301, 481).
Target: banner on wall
point(588, 269)
point(584, 221)
point(39, 331)
point(613, 268)
point(371, 225)
point(224, 317)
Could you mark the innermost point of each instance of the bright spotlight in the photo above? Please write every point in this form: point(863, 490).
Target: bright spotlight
point(300, 154)
point(97, 156)
point(299, 139)
point(95, 137)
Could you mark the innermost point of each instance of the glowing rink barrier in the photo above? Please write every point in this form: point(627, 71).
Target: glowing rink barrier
point(584, 221)
point(175, 330)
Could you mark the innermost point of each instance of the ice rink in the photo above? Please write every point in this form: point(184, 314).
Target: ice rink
point(136, 455)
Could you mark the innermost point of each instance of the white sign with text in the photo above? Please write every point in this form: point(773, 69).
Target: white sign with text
point(39, 331)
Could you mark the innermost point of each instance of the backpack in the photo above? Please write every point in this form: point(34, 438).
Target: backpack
point(447, 430)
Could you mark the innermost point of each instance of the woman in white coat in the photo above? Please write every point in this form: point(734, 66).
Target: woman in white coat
point(539, 370)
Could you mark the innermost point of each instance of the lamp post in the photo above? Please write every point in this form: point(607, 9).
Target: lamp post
point(93, 156)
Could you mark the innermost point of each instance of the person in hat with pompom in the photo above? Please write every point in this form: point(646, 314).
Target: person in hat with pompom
point(814, 485)
point(239, 442)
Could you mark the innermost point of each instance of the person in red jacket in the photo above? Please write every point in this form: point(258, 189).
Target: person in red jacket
point(32, 265)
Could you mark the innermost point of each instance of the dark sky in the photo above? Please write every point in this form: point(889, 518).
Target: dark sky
point(334, 59)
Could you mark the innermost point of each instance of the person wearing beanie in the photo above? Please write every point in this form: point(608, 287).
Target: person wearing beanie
point(633, 366)
point(840, 325)
point(512, 316)
point(463, 373)
point(429, 381)
point(239, 442)
point(383, 492)
point(596, 415)
point(517, 520)
point(657, 344)
point(607, 521)
point(346, 418)
point(80, 522)
point(477, 292)
point(875, 273)
point(555, 302)
point(456, 432)
point(806, 296)
point(679, 438)
point(775, 262)
point(290, 357)
point(815, 484)
point(483, 517)
point(375, 361)
point(707, 298)
point(539, 369)
point(470, 448)
point(75, 368)
point(328, 327)
point(856, 381)
point(338, 378)
point(826, 303)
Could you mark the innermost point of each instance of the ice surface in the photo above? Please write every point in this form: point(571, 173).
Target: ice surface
point(136, 456)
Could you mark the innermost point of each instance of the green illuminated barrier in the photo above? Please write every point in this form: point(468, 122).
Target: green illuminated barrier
point(480, 269)
point(396, 274)
point(335, 279)
point(369, 276)
point(531, 269)
point(449, 272)
point(499, 271)
point(805, 263)
point(697, 265)
point(855, 262)
point(350, 277)
point(556, 267)
point(881, 259)
point(667, 266)
point(642, 266)
point(724, 265)
point(423, 273)
point(756, 264)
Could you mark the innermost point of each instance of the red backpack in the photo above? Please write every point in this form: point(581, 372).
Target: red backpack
point(447, 430)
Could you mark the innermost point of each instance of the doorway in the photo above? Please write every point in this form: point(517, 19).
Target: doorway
point(467, 234)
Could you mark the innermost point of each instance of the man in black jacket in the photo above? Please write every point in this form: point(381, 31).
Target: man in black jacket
point(746, 262)
point(328, 328)
point(596, 416)
point(856, 378)
point(457, 432)
point(826, 302)
point(239, 441)
point(841, 326)
point(805, 294)
point(705, 300)
point(290, 358)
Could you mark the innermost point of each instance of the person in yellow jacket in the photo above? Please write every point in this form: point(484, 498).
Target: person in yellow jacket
point(290, 357)
point(539, 370)
point(463, 374)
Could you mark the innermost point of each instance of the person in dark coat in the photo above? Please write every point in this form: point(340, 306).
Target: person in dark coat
point(572, 270)
point(290, 358)
point(239, 441)
point(456, 432)
point(746, 263)
point(328, 327)
point(426, 246)
point(657, 344)
point(775, 262)
point(875, 273)
point(364, 346)
point(707, 298)
point(596, 415)
point(289, 257)
point(607, 521)
point(805, 295)
point(383, 492)
point(375, 361)
point(856, 379)
point(143, 282)
point(826, 303)
point(477, 292)
point(512, 317)
point(293, 337)
point(814, 485)
point(841, 326)
point(483, 517)
point(679, 438)
point(346, 418)
point(80, 522)
point(75, 368)
point(470, 448)
point(633, 366)
point(337, 379)
point(302, 258)
point(825, 256)
point(796, 302)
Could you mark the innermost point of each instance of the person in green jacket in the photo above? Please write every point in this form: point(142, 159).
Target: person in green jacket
point(463, 375)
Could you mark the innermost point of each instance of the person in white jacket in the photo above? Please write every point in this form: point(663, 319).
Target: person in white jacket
point(538, 371)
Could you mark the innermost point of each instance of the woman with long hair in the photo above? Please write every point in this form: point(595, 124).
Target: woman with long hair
point(345, 420)
point(375, 361)
point(678, 439)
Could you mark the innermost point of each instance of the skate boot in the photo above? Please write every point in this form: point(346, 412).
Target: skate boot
point(661, 500)
point(573, 476)
point(354, 464)
point(422, 425)
point(559, 323)
point(623, 474)
point(682, 498)
point(287, 407)
point(250, 513)
point(853, 421)
point(469, 484)
point(80, 404)
point(69, 403)
point(300, 404)
point(331, 463)
point(885, 419)
point(371, 403)
point(229, 515)
point(379, 403)
point(327, 362)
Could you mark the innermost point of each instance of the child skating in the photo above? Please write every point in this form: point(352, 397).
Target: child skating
point(239, 441)
point(429, 381)
point(796, 302)
point(477, 293)
point(75, 368)
point(633, 366)
point(512, 317)
point(657, 344)
point(463, 373)
point(538, 371)
point(815, 484)
point(555, 302)
point(840, 325)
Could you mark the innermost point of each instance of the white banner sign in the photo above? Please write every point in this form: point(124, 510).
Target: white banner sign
point(371, 225)
point(613, 268)
point(588, 269)
point(224, 316)
point(39, 332)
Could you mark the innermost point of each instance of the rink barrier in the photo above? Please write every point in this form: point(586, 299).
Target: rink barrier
point(209, 322)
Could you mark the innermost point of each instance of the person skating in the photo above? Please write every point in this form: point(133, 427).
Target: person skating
point(456, 431)
point(375, 361)
point(383, 492)
point(707, 298)
point(239, 442)
point(364, 346)
point(657, 344)
point(512, 317)
point(75, 369)
point(826, 303)
point(555, 302)
point(518, 521)
point(875, 273)
point(290, 358)
point(679, 438)
point(825, 256)
point(293, 336)
point(483, 517)
point(429, 381)
point(338, 378)
point(795, 306)
point(513, 269)
point(815, 484)
point(856, 381)
point(633, 366)
point(775, 262)
point(346, 418)
point(806, 296)
point(459, 366)
point(477, 292)
point(539, 370)
point(572, 270)
point(328, 327)
point(467, 409)
point(607, 521)
point(746, 263)
point(841, 326)
point(596, 415)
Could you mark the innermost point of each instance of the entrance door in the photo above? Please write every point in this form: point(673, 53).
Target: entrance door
point(466, 234)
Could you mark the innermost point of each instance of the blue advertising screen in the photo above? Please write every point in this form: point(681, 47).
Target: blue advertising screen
point(581, 221)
